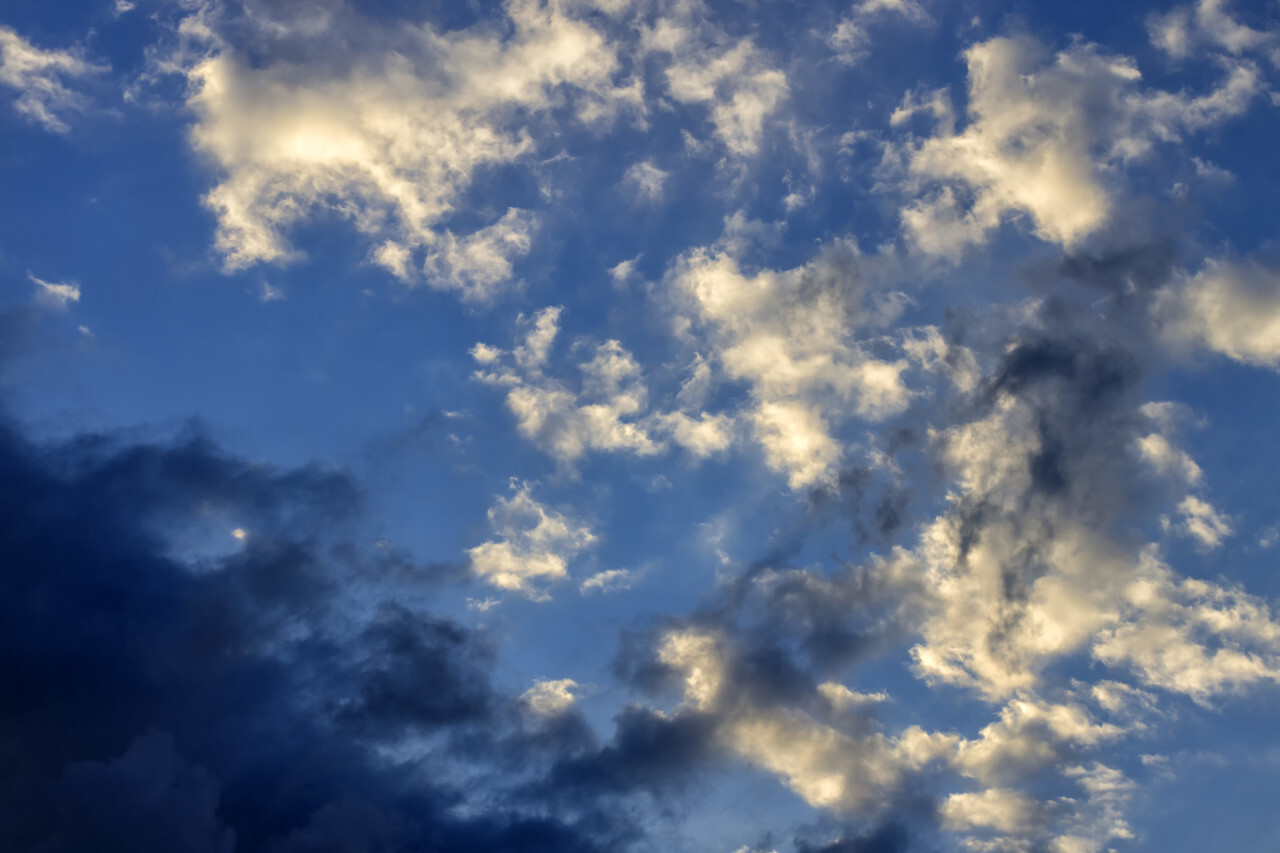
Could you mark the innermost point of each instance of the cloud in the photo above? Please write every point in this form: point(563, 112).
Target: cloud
point(39, 77)
point(1045, 139)
point(1032, 567)
point(608, 411)
point(533, 547)
point(1202, 522)
point(825, 766)
point(1228, 307)
point(645, 181)
point(801, 340)
point(388, 139)
point(53, 294)
point(550, 698)
point(732, 78)
point(479, 265)
point(610, 580)
point(255, 699)
point(851, 41)
point(1184, 28)
point(268, 293)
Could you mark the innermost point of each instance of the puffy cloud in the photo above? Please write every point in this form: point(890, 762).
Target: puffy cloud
point(534, 545)
point(39, 77)
point(390, 140)
point(1228, 307)
point(736, 81)
point(609, 412)
point(1202, 522)
point(1044, 137)
point(824, 765)
point(1184, 28)
point(1026, 578)
point(801, 341)
point(645, 181)
point(1030, 735)
point(1000, 809)
point(549, 698)
point(1168, 459)
point(478, 266)
point(1191, 636)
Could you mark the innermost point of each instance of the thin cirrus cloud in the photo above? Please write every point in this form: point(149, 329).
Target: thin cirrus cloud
point(848, 427)
point(44, 81)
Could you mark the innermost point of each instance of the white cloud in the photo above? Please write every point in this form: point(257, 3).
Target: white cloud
point(54, 294)
point(1180, 31)
point(38, 76)
point(608, 411)
point(1202, 522)
point(610, 580)
point(996, 808)
point(268, 293)
point(550, 698)
point(1044, 139)
point(844, 699)
point(1228, 307)
point(824, 765)
point(478, 266)
point(1168, 459)
point(533, 547)
point(623, 272)
point(851, 41)
point(390, 141)
point(734, 80)
point(645, 181)
point(1038, 580)
point(801, 341)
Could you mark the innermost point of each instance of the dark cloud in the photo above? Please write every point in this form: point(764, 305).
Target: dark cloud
point(890, 838)
point(157, 697)
point(1143, 266)
point(649, 751)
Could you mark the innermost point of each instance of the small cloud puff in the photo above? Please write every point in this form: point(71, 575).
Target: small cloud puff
point(53, 294)
point(549, 698)
point(534, 544)
point(611, 580)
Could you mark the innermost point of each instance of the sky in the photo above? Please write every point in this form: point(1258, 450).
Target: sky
point(639, 425)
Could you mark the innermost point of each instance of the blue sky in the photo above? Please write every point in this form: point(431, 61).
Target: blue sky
point(639, 425)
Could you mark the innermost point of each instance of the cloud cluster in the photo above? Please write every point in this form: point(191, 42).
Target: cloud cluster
point(391, 138)
point(807, 343)
point(1033, 565)
point(607, 412)
point(1045, 137)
